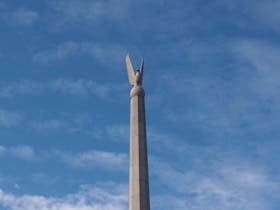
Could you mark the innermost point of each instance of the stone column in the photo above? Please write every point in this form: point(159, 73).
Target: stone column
point(139, 198)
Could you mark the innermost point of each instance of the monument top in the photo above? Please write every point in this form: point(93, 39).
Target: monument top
point(135, 79)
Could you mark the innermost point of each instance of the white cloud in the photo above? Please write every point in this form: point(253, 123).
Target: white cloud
point(244, 100)
point(52, 124)
point(83, 118)
point(22, 87)
point(77, 87)
point(241, 189)
point(104, 53)
point(44, 179)
point(231, 187)
point(112, 197)
point(247, 102)
point(265, 12)
point(264, 58)
point(9, 118)
point(94, 158)
point(246, 177)
point(118, 132)
point(90, 11)
point(84, 159)
point(2, 150)
point(81, 87)
point(60, 52)
point(166, 202)
point(64, 122)
point(23, 152)
point(24, 16)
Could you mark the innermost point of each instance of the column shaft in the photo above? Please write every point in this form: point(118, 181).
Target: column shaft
point(138, 176)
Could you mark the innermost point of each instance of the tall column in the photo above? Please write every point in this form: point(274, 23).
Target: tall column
point(138, 177)
point(139, 198)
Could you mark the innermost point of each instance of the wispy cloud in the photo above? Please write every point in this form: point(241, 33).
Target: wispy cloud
point(85, 159)
point(94, 158)
point(246, 100)
point(9, 118)
point(112, 197)
point(265, 12)
point(118, 132)
point(60, 52)
point(23, 152)
point(22, 87)
point(91, 11)
point(81, 87)
point(44, 179)
point(104, 53)
point(210, 176)
point(262, 58)
point(64, 122)
point(24, 17)
point(77, 87)
point(47, 125)
point(2, 150)
point(225, 187)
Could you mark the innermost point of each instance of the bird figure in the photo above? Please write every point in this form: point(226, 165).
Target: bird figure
point(135, 79)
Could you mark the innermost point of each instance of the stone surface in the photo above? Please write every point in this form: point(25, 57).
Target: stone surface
point(139, 198)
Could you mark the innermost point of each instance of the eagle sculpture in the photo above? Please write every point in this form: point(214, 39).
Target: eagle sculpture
point(135, 79)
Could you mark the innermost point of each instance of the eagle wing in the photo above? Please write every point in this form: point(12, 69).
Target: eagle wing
point(142, 66)
point(130, 71)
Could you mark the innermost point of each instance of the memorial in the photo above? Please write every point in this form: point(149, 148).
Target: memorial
point(139, 198)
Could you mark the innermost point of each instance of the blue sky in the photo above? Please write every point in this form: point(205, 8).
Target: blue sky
point(212, 103)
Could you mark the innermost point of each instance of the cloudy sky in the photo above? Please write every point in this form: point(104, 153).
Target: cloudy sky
point(212, 103)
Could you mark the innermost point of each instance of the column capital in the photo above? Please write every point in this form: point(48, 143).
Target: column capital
point(137, 91)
